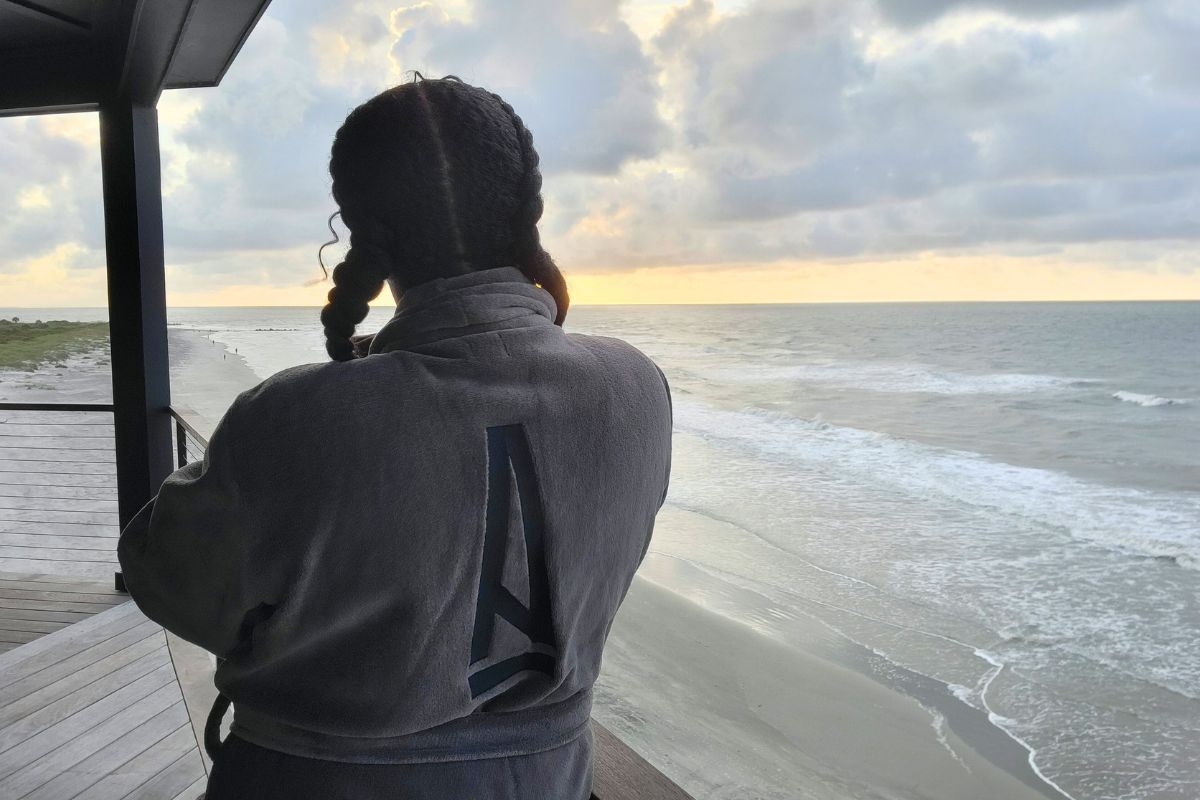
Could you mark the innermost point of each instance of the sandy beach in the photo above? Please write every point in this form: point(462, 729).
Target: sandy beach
point(205, 378)
point(830, 720)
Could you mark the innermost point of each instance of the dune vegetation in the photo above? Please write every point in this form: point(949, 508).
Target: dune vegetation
point(27, 344)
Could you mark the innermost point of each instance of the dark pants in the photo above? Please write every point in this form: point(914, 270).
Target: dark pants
point(245, 771)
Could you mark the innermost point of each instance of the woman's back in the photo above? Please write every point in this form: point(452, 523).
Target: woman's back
point(419, 553)
point(408, 560)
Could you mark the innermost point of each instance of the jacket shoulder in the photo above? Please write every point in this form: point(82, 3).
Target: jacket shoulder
point(612, 349)
point(622, 358)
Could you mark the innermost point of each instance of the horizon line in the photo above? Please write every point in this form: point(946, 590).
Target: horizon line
point(751, 303)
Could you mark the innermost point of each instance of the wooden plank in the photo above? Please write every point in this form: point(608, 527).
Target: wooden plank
point(99, 494)
point(64, 706)
point(57, 554)
point(15, 502)
point(54, 455)
point(133, 662)
point(65, 439)
point(79, 587)
point(145, 767)
point(29, 625)
point(619, 773)
point(55, 671)
point(19, 637)
point(58, 479)
point(62, 617)
point(89, 771)
point(62, 430)
point(99, 627)
point(31, 541)
point(91, 607)
point(54, 466)
point(94, 570)
point(172, 780)
point(74, 749)
point(193, 791)
point(33, 749)
point(52, 527)
point(35, 595)
point(43, 578)
point(91, 517)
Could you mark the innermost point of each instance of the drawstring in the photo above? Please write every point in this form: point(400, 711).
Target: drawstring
point(212, 728)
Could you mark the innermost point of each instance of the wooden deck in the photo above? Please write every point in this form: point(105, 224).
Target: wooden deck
point(32, 606)
point(90, 702)
point(94, 710)
point(58, 494)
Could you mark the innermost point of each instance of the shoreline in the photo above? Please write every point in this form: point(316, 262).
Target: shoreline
point(205, 376)
point(727, 709)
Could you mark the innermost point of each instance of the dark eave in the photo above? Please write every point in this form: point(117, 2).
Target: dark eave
point(67, 55)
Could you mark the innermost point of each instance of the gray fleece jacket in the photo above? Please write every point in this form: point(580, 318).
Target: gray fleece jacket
point(416, 556)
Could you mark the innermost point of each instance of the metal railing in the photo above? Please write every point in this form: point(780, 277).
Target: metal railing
point(190, 444)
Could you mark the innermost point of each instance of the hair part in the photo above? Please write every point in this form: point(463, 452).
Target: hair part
point(433, 178)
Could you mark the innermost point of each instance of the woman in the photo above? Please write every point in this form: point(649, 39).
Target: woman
point(408, 560)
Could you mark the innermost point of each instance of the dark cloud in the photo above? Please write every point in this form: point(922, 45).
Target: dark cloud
point(916, 12)
point(997, 135)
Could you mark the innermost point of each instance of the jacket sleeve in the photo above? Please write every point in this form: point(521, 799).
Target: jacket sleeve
point(187, 557)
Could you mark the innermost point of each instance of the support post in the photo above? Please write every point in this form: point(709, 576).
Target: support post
point(137, 303)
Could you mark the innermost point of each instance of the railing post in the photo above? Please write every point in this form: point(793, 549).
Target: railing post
point(181, 452)
point(137, 309)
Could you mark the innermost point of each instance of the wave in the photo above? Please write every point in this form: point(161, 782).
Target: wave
point(1139, 522)
point(904, 378)
point(1148, 400)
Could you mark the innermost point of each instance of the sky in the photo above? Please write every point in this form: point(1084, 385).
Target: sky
point(699, 151)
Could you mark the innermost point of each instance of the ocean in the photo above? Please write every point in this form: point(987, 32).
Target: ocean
point(1002, 498)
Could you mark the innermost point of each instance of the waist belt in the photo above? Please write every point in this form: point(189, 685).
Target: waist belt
point(479, 735)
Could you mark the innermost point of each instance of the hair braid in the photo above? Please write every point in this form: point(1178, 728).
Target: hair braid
point(433, 178)
point(527, 251)
point(356, 282)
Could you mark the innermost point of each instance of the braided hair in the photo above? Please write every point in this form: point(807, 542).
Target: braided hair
point(433, 178)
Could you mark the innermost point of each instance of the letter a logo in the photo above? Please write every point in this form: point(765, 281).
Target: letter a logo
point(507, 445)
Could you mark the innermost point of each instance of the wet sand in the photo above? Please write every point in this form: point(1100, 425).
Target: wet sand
point(702, 695)
point(205, 378)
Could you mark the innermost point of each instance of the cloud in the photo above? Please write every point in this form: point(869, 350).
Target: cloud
point(806, 139)
point(251, 158)
point(575, 73)
point(916, 12)
point(52, 189)
point(787, 130)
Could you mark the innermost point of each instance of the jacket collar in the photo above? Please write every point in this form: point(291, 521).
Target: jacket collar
point(485, 300)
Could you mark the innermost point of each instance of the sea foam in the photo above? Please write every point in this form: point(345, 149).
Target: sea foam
point(1138, 522)
point(1148, 400)
point(897, 377)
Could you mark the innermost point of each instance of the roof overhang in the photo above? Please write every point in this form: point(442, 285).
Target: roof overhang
point(71, 55)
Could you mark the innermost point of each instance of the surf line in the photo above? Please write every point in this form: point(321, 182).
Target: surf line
point(984, 684)
point(981, 687)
